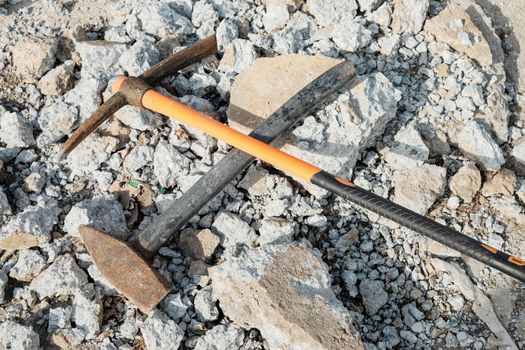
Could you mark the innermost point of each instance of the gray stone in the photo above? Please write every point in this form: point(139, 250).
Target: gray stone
point(198, 244)
point(33, 57)
point(327, 12)
point(87, 157)
point(31, 227)
point(227, 31)
point(369, 5)
point(63, 277)
point(238, 56)
point(160, 332)
point(102, 213)
point(173, 305)
point(3, 284)
point(476, 142)
point(373, 294)
point(100, 59)
point(276, 15)
point(169, 164)
point(275, 230)
point(56, 121)
point(139, 57)
point(518, 152)
point(87, 314)
point(408, 149)
point(5, 208)
point(161, 20)
point(139, 157)
point(86, 95)
point(58, 80)
point(205, 305)
point(286, 288)
point(29, 264)
point(221, 337)
point(409, 15)
point(138, 118)
point(205, 18)
point(16, 336)
point(59, 318)
point(233, 232)
point(351, 35)
point(391, 336)
point(15, 130)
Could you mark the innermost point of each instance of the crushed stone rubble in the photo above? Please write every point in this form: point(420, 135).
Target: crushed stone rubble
point(434, 123)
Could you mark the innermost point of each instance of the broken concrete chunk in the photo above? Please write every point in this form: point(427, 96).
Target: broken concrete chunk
point(475, 141)
point(16, 336)
point(206, 305)
point(275, 230)
point(227, 31)
point(276, 15)
point(5, 208)
point(465, 16)
point(419, 187)
point(63, 277)
point(518, 152)
point(85, 96)
point(374, 295)
point(369, 5)
point(31, 227)
point(221, 337)
point(466, 182)
point(33, 57)
point(233, 232)
point(503, 183)
point(139, 57)
point(3, 284)
point(138, 118)
point(87, 314)
point(100, 58)
point(408, 149)
point(59, 318)
point(160, 332)
point(56, 121)
point(29, 264)
point(255, 181)
point(351, 35)
point(284, 287)
point(89, 155)
point(161, 19)
point(102, 213)
point(409, 16)
point(139, 157)
point(169, 164)
point(58, 80)
point(327, 12)
point(173, 305)
point(238, 56)
point(15, 130)
point(198, 244)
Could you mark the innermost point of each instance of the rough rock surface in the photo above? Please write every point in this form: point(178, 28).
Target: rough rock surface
point(466, 182)
point(169, 164)
point(221, 337)
point(15, 130)
point(29, 264)
point(102, 213)
point(16, 336)
point(33, 57)
point(296, 283)
point(58, 80)
point(332, 11)
point(476, 142)
point(160, 332)
point(198, 244)
point(409, 15)
point(31, 227)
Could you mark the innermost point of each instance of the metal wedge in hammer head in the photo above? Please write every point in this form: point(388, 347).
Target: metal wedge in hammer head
point(163, 228)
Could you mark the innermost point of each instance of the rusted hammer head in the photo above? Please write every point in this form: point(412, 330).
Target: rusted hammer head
point(143, 286)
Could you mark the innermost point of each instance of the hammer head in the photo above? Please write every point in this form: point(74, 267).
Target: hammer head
point(130, 274)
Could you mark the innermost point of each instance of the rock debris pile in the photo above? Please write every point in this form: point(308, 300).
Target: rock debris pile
point(435, 123)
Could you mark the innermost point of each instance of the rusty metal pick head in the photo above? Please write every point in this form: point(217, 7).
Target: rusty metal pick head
point(125, 269)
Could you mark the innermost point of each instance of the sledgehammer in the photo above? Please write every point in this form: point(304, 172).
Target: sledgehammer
point(125, 265)
point(140, 94)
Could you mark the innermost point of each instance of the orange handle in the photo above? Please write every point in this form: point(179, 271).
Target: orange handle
point(287, 163)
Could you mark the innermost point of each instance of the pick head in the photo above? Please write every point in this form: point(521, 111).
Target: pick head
point(125, 269)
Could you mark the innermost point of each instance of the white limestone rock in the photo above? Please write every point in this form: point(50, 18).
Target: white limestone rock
point(160, 19)
point(87, 157)
point(408, 149)
point(63, 277)
point(169, 164)
point(86, 95)
point(56, 121)
point(238, 56)
point(369, 5)
point(409, 16)
point(139, 57)
point(276, 15)
point(284, 290)
point(327, 12)
point(227, 31)
point(58, 80)
point(419, 187)
point(235, 234)
point(466, 182)
point(204, 17)
point(102, 213)
point(275, 230)
point(475, 142)
point(33, 57)
point(31, 227)
point(174, 306)
point(100, 59)
point(15, 130)
point(139, 157)
point(518, 152)
point(138, 118)
point(382, 16)
point(221, 337)
point(351, 35)
point(29, 264)
point(160, 332)
point(16, 336)
point(206, 305)
point(87, 314)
